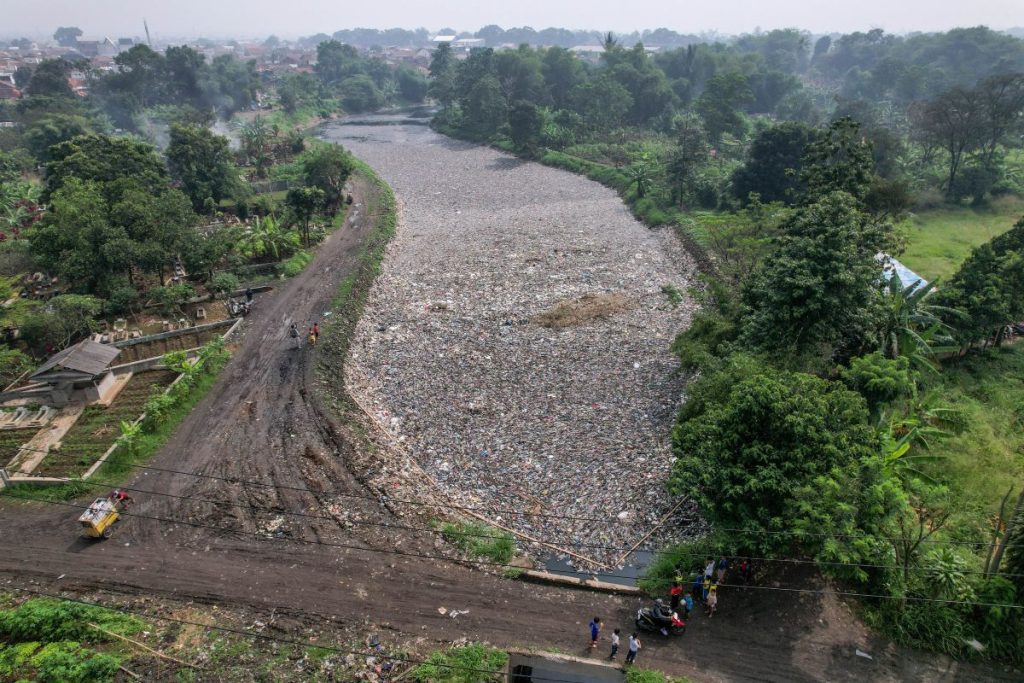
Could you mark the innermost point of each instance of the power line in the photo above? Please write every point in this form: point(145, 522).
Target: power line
point(264, 636)
point(523, 513)
point(504, 565)
point(287, 487)
point(468, 534)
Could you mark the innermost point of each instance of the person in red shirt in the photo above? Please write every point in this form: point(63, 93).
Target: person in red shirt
point(675, 594)
point(122, 497)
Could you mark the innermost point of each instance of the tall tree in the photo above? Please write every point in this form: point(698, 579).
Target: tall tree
point(335, 62)
point(525, 125)
point(690, 152)
point(53, 129)
point(442, 75)
point(1002, 112)
point(817, 284)
point(750, 437)
point(953, 122)
point(201, 162)
point(721, 104)
point(562, 72)
point(304, 203)
point(67, 36)
point(50, 79)
point(988, 289)
point(774, 164)
point(328, 168)
point(838, 161)
point(104, 159)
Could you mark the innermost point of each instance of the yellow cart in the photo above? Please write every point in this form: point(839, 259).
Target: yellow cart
point(99, 520)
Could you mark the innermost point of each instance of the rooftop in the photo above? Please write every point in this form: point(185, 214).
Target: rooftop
point(86, 356)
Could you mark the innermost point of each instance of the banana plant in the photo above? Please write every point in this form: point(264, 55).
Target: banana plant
point(129, 439)
point(905, 444)
point(911, 325)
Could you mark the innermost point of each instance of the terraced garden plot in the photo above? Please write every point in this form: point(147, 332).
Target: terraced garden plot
point(98, 427)
point(11, 440)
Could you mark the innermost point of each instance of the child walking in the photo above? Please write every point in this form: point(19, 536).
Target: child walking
point(634, 646)
point(615, 644)
point(712, 601)
point(595, 629)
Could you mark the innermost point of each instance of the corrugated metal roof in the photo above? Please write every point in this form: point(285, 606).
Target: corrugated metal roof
point(85, 356)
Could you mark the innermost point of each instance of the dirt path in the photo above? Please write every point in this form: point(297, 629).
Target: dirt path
point(257, 424)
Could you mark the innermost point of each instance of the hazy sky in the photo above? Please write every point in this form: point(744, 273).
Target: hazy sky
point(305, 17)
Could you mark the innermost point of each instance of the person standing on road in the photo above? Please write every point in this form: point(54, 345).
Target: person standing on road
point(248, 295)
point(634, 647)
point(723, 566)
point(615, 644)
point(316, 329)
point(688, 605)
point(293, 332)
point(675, 594)
point(698, 587)
point(712, 601)
point(746, 570)
point(312, 337)
point(595, 630)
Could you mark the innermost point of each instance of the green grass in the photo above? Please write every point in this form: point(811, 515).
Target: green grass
point(988, 456)
point(938, 240)
point(294, 264)
point(481, 541)
point(465, 664)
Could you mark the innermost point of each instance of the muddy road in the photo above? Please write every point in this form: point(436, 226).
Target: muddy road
point(231, 544)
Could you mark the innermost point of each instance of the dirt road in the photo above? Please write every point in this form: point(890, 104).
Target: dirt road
point(259, 424)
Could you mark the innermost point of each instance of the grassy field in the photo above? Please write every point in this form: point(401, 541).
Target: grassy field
point(988, 456)
point(939, 240)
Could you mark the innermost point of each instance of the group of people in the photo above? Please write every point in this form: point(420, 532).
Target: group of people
point(634, 641)
point(705, 585)
point(311, 336)
point(704, 590)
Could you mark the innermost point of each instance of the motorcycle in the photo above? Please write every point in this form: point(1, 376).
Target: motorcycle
point(657, 619)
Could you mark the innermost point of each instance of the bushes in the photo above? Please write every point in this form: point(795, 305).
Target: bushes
point(44, 637)
point(481, 541)
point(677, 561)
point(224, 283)
point(294, 265)
point(45, 619)
point(69, 662)
point(465, 664)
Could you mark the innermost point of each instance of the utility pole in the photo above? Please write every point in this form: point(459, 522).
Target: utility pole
point(148, 39)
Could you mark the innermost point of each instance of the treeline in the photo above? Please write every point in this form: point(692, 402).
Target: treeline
point(348, 80)
point(707, 125)
point(494, 36)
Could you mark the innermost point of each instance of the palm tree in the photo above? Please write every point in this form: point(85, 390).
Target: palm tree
point(910, 324)
point(390, 91)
